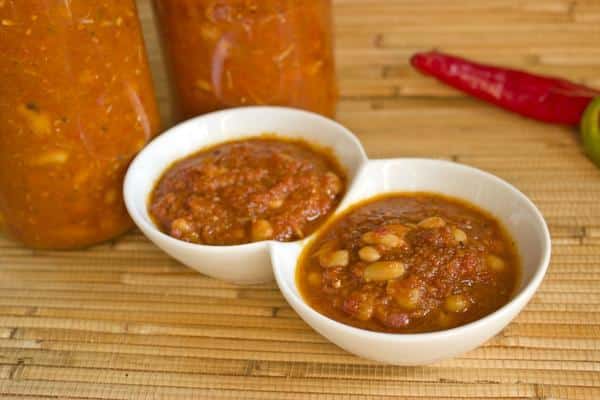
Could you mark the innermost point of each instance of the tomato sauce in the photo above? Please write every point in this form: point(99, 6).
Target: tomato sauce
point(76, 104)
point(228, 53)
point(249, 190)
point(409, 262)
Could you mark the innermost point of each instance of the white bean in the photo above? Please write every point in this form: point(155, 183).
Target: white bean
point(334, 259)
point(385, 239)
point(182, 226)
point(456, 303)
point(261, 230)
point(383, 271)
point(459, 235)
point(314, 279)
point(52, 157)
point(432, 222)
point(275, 203)
point(399, 230)
point(408, 299)
point(334, 183)
point(390, 240)
point(369, 254)
point(494, 262)
point(369, 237)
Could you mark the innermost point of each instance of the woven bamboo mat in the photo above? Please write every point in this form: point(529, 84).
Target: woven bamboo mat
point(123, 321)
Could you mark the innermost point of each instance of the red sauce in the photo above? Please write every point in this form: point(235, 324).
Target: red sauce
point(76, 105)
point(248, 190)
point(228, 53)
point(409, 263)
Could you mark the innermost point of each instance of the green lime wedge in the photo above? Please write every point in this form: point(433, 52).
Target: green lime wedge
point(590, 130)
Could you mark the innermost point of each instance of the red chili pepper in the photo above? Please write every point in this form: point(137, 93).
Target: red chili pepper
point(544, 98)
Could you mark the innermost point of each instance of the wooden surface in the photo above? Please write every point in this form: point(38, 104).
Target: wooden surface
point(123, 321)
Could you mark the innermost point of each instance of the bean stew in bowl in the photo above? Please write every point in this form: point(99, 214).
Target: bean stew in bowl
point(422, 261)
point(409, 262)
point(259, 188)
point(215, 191)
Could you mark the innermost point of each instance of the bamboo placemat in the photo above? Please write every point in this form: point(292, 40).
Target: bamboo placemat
point(124, 321)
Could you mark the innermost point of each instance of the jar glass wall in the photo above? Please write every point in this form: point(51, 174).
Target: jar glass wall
point(76, 104)
point(228, 53)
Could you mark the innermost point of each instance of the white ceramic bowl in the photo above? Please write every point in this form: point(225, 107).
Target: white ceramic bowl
point(247, 263)
point(257, 262)
point(518, 214)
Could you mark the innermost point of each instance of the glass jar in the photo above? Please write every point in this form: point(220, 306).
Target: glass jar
point(76, 104)
point(227, 53)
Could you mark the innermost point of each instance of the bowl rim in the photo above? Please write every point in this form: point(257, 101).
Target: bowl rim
point(518, 300)
point(166, 137)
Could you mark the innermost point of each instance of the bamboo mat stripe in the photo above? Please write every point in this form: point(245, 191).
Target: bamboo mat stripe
point(122, 320)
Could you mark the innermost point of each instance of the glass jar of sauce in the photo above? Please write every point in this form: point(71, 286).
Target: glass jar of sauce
point(76, 104)
point(228, 53)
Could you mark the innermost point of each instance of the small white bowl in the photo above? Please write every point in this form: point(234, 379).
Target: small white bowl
point(258, 262)
point(518, 214)
point(246, 263)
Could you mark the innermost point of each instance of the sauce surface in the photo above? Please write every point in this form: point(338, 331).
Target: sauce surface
point(76, 104)
point(408, 263)
point(229, 53)
point(249, 190)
